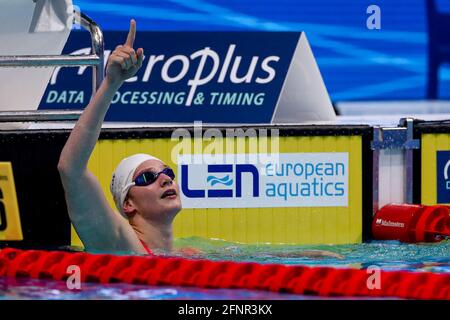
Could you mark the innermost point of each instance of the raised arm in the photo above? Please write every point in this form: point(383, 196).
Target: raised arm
point(123, 63)
point(98, 226)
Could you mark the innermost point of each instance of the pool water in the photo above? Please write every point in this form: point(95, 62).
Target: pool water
point(36, 289)
point(389, 255)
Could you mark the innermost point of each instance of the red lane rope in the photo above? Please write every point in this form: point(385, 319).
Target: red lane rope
point(153, 270)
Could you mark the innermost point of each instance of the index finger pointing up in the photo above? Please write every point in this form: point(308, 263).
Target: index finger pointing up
point(131, 34)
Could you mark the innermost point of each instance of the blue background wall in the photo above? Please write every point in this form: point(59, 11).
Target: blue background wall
point(356, 63)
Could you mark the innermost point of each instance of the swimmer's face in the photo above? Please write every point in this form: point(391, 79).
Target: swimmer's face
point(159, 200)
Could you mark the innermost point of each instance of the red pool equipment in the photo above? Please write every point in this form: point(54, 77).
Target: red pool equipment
point(411, 223)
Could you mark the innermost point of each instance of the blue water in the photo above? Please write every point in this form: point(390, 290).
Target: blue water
point(389, 255)
point(356, 63)
point(36, 289)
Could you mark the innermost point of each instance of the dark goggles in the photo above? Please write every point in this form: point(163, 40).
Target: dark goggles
point(146, 178)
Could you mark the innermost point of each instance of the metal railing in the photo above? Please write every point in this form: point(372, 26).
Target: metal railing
point(398, 138)
point(94, 60)
point(40, 115)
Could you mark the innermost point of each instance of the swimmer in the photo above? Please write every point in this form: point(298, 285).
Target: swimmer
point(143, 187)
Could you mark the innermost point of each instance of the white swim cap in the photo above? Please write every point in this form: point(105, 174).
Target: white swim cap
point(123, 177)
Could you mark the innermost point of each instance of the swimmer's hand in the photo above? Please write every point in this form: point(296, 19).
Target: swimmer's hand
point(189, 251)
point(186, 252)
point(124, 61)
point(310, 254)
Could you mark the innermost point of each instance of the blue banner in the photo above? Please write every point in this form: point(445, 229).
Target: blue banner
point(443, 176)
point(221, 77)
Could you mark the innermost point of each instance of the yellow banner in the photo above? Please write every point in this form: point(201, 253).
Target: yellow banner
point(10, 226)
point(292, 225)
point(431, 144)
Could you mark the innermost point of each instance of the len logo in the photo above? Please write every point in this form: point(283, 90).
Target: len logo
point(443, 176)
point(213, 179)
